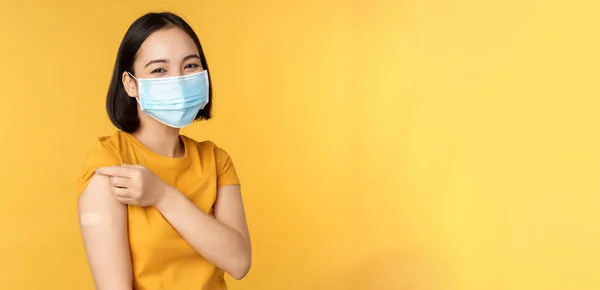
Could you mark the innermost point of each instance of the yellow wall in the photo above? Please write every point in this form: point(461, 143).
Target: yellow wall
point(417, 144)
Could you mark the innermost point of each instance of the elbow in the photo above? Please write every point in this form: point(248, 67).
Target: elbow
point(241, 267)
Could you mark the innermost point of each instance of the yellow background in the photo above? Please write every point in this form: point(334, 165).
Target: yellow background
point(417, 144)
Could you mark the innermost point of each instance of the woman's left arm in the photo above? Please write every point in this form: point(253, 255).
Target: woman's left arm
point(223, 240)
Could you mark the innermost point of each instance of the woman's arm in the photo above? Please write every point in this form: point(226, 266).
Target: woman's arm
point(103, 223)
point(223, 240)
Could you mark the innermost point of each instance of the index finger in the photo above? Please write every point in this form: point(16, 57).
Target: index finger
point(113, 171)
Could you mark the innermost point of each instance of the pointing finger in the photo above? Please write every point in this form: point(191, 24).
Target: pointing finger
point(131, 166)
point(113, 171)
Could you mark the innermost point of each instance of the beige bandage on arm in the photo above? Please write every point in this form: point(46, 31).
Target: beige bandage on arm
point(103, 223)
point(95, 219)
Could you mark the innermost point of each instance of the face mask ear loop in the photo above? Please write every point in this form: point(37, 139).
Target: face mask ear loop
point(138, 87)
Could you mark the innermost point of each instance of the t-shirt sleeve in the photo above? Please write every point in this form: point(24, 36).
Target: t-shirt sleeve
point(225, 169)
point(100, 156)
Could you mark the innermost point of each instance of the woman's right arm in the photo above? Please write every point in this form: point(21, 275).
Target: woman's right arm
point(103, 224)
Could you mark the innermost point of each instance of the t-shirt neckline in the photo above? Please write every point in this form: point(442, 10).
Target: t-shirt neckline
point(159, 158)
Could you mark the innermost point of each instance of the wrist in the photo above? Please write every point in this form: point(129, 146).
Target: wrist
point(166, 196)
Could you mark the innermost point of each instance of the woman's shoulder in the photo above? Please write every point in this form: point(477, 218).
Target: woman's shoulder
point(103, 153)
point(106, 150)
point(208, 147)
point(200, 144)
point(218, 158)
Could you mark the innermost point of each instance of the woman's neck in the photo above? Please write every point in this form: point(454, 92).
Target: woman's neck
point(161, 139)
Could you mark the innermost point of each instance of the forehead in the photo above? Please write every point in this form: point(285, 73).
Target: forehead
point(169, 43)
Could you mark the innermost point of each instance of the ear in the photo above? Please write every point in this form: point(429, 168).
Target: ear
point(130, 85)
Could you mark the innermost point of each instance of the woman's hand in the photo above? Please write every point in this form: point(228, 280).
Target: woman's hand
point(134, 184)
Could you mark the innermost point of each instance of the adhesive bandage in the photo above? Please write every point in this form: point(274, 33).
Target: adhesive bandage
point(95, 219)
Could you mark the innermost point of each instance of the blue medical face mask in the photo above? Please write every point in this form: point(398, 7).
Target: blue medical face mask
point(173, 101)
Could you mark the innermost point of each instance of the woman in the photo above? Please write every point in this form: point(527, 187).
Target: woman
point(157, 209)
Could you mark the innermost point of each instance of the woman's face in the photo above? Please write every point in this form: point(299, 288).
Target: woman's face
point(165, 53)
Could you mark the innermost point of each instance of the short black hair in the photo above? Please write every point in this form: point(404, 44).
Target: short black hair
point(122, 109)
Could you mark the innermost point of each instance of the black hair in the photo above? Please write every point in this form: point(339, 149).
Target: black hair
point(122, 109)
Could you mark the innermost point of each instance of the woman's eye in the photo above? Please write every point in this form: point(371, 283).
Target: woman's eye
point(158, 70)
point(191, 65)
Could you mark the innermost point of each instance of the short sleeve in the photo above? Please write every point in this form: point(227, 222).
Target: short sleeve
point(100, 156)
point(225, 169)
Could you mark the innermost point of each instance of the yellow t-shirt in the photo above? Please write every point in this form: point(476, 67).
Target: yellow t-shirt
point(161, 258)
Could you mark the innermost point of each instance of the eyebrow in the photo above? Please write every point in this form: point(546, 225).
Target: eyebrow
point(156, 61)
point(191, 56)
point(166, 61)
